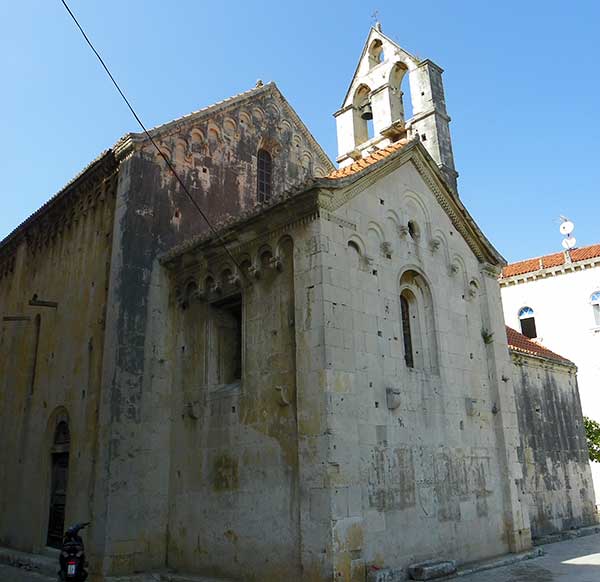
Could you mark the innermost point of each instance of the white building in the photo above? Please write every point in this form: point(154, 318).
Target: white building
point(555, 299)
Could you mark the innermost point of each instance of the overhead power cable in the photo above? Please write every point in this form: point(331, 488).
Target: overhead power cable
point(160, 152)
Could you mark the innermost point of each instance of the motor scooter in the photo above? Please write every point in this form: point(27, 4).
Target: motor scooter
point(72, 555)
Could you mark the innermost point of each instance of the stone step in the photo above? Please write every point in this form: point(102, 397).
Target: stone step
point(184, 578)
point(46, 565)
point(432, 569)
point(166, 577)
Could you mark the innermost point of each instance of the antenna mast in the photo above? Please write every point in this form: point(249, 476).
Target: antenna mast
point(566, 228)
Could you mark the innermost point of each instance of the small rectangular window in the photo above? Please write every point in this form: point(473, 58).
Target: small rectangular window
point(528, 327)
point(596, 309)
point(227, 341)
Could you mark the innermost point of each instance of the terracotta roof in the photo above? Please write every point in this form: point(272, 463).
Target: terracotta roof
point(363, 163)
point(553, 260)
point(517, 342)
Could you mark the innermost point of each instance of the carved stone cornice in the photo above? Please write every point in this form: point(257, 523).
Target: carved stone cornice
point(520, 358)
point(451, 205)
point(217, 277)
point(87, 190)
point(183, 124)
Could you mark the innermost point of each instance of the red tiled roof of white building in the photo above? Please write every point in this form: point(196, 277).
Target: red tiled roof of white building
point(517, 342)
point(548, 261)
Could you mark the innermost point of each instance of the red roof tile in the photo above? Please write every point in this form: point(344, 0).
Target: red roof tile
point(517, 342)
point(363, 163)
point(547, 261)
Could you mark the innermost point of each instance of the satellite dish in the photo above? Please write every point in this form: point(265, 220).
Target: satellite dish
point(569, 242)
point(566, 227)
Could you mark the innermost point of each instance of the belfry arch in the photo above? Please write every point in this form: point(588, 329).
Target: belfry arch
point(405, 100)
point(400, 94)
point(361, 103)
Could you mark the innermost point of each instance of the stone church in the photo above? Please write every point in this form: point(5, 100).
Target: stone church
point(316, 388)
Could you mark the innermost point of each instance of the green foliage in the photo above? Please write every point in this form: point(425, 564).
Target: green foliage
point(488, 336)
point(592, 432)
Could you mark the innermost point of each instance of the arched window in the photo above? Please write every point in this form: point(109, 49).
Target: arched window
point(418, 325)
point(264, 175)
point(405, 95)
point(375, 53)
point(406, 334)
point(355, 251)
point(527, 319)
point(595, 301)
point(413, 230)
point(62, 436)
point(363, 115)
point(400, 100)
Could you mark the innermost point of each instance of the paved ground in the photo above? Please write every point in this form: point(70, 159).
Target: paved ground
point(575, 560)
point(10, 574)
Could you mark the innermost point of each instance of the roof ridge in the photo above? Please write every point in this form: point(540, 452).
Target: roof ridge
point(227, 101)
point(4, 242)
point(363, 163)
point(130, 137)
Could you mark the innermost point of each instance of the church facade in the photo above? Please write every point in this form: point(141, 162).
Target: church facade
point(317, 388)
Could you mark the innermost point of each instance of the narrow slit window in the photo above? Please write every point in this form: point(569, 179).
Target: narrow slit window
point(228, 345)
point(264, 176)
point(408, 350)
point(596, 307)
point(413, 230)
point(527, 320)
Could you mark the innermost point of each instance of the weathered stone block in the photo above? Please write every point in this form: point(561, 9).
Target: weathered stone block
point(385, 575)
point(431, 569)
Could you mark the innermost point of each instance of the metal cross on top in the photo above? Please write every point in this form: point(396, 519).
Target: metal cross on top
point(376, 23)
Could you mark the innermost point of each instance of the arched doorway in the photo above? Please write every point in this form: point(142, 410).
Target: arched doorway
point(59, 463)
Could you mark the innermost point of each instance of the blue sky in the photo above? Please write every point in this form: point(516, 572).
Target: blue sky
point(521, 79)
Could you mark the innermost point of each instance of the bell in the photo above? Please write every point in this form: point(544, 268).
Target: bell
point(366, 111)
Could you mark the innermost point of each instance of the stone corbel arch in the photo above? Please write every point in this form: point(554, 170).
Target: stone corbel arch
point(229, 277)
point(187, 292)
point(181, 151)
point(284, 244)
point(424, 220)
point(474, 289)
point(375, 239)
point(458, 270)
point(359, 242)
point(439, 245)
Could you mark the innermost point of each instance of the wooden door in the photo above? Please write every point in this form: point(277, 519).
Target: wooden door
point(58, 498)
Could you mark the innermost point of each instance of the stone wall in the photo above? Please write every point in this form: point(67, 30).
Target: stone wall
point(234, 486)
point(421, 460)
point(557, 480)
point(52, 310)
point(215, 156)
point(565, 326)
